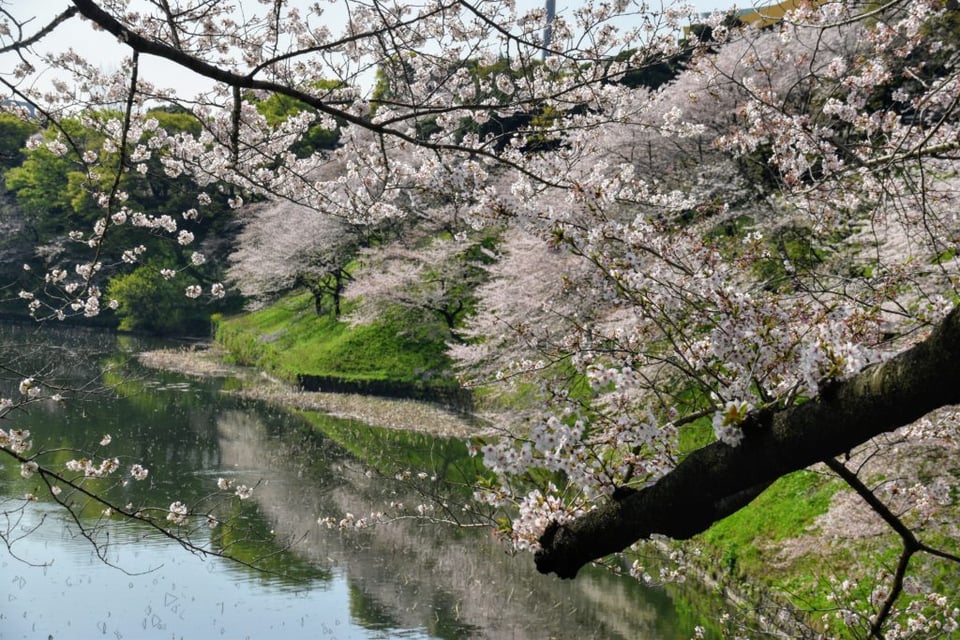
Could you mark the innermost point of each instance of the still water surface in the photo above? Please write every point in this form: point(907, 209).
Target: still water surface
point(406, 580)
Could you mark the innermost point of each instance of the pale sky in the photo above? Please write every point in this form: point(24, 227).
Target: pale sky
point(101, 48)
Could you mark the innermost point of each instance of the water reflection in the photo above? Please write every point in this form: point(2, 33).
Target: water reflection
point(408, 579)
point(454, 583)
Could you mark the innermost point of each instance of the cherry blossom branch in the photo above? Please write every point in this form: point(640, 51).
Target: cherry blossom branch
point(52, 479)
point(135, 41)
point(353, 37)
point(171, 23)
point(694, 494)
point(911, 544)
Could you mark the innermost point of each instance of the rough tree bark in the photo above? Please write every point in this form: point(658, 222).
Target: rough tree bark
point(717, 480)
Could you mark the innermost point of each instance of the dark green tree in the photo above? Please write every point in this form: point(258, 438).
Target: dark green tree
point(14, 132)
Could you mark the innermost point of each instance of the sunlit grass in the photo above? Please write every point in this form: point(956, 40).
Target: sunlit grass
point(743, 543)
point(288, 338)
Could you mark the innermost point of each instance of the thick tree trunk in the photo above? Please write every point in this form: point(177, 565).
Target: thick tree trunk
point(716, 480)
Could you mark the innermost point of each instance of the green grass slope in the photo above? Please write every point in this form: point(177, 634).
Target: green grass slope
point(288, 338)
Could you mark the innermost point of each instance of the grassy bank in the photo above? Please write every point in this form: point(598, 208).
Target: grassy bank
point(809, 541)
point(288, 339)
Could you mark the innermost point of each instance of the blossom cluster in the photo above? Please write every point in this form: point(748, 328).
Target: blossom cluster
point(16, 440)
point(534, 512)
point(242, 491)
point(90, 469)
point(350, 521)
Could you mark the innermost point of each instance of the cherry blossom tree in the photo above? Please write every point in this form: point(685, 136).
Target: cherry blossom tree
point(534, 298)
point(284, 245)
point(436, 280)
point(766, 244)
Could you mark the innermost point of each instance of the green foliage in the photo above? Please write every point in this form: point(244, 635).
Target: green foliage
point(150, 303)
point(45, 186)
point(177, 120)
point(14, 132)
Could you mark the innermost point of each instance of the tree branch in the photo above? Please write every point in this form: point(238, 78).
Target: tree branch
point(22, 43)
point(911, 544)
point(137, 42)
point(698, 491)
